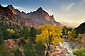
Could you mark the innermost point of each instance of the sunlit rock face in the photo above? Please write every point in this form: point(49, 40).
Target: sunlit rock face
point(37, 18)
point(33, 24)
point(8, 17)
point(5, 11)
point(10, 43)
point(11, 8)
point(52, 18)
point(32, 19)
point(53, 24)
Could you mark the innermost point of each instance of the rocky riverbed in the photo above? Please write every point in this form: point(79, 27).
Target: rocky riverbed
point(64, 49)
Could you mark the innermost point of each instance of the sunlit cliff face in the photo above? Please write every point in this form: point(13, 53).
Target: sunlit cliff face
point(32, 19)
point(53, 24)
point(37, 18)
point(11, 8)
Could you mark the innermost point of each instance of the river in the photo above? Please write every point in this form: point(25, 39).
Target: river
point(69, 48)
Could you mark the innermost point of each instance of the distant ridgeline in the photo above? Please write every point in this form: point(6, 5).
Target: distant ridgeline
point(81, 28)
point(32, 19)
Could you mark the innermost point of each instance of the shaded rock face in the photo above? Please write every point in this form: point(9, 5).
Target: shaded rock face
point(8, 18)
point(11, 8)
point(81, 28)
point(32, 19)
point(40, 16)
point(5, 11)
point(22, 14)
point(37, 18)
point(0, 4)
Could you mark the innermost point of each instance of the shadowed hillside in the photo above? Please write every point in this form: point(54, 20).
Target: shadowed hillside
point(81, 28)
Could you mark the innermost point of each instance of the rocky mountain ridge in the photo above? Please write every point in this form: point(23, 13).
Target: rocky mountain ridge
point(38, 18)
point(32, 19)
point(5, 11)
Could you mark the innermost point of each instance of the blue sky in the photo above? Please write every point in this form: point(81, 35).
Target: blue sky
point(70, 12)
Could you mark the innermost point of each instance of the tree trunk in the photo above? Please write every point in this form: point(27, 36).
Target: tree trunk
point(49, 46)
point(49, 40)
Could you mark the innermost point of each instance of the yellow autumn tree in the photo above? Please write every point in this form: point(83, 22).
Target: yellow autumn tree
point(72, 34)
point(24, 40)
point(11, 30)
point(79, 35)
point(83, 41)
point(69, 34)
point(49, 34)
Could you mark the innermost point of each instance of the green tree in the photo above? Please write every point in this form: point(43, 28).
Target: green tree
point(33, 33)
point(6, 34)
point(25, 31)
point(4, 51)
point(29, 50)
point(73, 34)
point(14, 35)
point(79, 52)
point(17, 52)
point(1, 38)
point(40, 48)
point(65, 30)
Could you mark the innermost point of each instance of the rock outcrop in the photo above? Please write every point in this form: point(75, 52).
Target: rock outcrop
point(32, 19)
point(11, 8)
point(5, 11)
point(37, 18)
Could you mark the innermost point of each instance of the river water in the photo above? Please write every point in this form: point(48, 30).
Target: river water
point(69, 48)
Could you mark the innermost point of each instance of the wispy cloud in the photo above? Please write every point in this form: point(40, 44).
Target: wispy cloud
point(50, 11)
point(73, 25)
point(17, 7)
point(82, 2)
point(67, 7)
